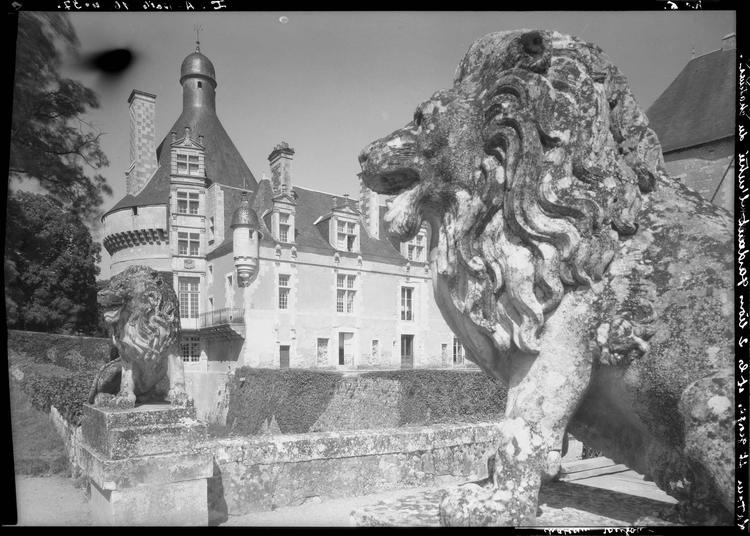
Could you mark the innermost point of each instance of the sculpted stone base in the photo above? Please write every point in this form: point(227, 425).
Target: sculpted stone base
point(147, 465)
point(510, 496)
point(176, 503)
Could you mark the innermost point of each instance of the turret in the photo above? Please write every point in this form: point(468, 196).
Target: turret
point(246, 237)
point(198, 79)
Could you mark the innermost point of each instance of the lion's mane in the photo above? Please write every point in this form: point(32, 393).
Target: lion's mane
point(578, 154)
point(142, 312)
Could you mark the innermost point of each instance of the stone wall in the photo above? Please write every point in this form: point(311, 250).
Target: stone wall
point(208, 389)
point(268, 472)
point(71, 437)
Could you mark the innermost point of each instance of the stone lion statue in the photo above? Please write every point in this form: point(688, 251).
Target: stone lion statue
point(573, 268)
point(142, 314)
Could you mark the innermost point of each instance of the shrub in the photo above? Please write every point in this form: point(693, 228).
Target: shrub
point(299, 400)
point(57, 369)
point(71, 352)
point(67, 394)
point(294, 397)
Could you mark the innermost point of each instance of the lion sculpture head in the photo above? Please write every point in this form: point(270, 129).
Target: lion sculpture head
point(142, 314)
point(529, 170)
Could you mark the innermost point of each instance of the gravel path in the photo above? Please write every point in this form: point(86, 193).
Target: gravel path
point(50, 500)
point(54, 500)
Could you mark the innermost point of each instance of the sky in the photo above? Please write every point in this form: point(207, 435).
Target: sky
point(330, 83)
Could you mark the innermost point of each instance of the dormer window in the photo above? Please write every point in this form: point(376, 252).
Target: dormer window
point(188, 164)
point(187, 202)
point(346, 235)
point(284, 227)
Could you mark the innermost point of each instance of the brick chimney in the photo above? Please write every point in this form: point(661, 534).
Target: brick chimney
point(142, 141)
point(280, 161)
point(729, 41)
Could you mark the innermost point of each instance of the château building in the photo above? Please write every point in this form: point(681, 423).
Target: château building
point(269, 273)
point(694, 120)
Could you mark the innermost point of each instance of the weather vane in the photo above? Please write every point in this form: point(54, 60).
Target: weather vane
point(197, 29)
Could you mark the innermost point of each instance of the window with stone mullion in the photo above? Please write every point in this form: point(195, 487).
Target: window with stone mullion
point(345, 293)
point(284, 291)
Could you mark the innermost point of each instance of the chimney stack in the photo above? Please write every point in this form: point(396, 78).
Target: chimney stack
point(729, 41)
point(280, 161)
point(142, 141)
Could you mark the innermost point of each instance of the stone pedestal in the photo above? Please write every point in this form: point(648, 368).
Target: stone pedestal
point(146, 465)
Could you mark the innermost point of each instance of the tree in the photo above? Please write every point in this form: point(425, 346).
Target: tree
point(50, 267)
point(50, 141)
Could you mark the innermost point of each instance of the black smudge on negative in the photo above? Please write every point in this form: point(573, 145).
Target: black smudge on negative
point(111, 62)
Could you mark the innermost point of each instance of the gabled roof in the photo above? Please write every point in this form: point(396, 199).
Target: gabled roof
point(698, 106)
point(311, 205)
point(223, 161)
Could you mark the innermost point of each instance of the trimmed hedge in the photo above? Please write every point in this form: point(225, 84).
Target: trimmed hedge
point(67, 351)
point(299, 400)
point(293, 398)
point(57, 369)
point(67, 394)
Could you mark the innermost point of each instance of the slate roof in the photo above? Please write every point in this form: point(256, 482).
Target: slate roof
point(223, 161)
point(698, 106)
point(311, 205)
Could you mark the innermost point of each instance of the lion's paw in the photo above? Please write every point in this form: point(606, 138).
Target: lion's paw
point(103, 400)
point(178, 397)
point(106, 400)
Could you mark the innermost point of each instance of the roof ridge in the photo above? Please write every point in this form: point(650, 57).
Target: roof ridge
point(322, 192)
point(711, 52)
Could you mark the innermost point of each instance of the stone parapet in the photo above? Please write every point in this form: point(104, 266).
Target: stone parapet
point(289, 448)
point(263, 473)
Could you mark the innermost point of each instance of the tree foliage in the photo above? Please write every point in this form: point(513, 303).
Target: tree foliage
point(50, 267)
point(50, 141)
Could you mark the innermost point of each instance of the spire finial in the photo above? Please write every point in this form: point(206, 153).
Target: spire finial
point(197, 29)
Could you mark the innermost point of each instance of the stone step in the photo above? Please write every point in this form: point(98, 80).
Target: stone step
point(591, 467)
point(580, 475)
point(587, 464)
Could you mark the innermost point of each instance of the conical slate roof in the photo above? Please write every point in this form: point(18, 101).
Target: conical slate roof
point(224, 164)
point(698, 106)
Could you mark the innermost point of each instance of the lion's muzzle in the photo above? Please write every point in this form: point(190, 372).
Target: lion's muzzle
point(391, 166)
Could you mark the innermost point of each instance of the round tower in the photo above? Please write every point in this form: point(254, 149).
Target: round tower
point(246, 237)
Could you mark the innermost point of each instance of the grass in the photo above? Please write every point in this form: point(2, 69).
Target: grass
point(37, 448)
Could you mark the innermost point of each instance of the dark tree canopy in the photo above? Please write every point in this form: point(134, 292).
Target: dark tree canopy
point(50, 267)
point(50, 141)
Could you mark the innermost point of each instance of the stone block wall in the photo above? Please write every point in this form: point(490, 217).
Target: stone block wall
point(268, 472)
